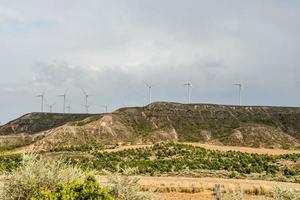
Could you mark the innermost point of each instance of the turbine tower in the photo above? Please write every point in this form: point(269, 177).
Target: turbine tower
point(68, 107)
point(239, 85)
point(150, 92)
point(64, 96)
point(86, 97)
point(42, 96)
point(188, 85)
point(50, 106)
point(105, 107)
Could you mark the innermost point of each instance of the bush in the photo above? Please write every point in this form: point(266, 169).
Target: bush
point(87, 190)
point(126, 187)
point(40, 179)
point(9, 162)
point(285, 194)
point(35, 174)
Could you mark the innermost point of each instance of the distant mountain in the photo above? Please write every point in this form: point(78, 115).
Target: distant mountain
point(256, 126)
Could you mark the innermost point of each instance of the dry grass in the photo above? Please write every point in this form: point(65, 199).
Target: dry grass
point(285, 194)
point(257, 190)
point(208, 183)
point(124, 186)
point(183, 188)
point(35, 174)
point(163, 189)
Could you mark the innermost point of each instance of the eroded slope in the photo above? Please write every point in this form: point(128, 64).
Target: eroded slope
point(218, 124)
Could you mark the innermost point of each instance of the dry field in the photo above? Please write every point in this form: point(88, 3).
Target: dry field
point(184, 188)
point(210, 182)
point(207, 195)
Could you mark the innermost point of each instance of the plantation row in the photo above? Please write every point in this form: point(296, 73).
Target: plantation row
point(82, 148)
point(171, 157)
point(175, 158)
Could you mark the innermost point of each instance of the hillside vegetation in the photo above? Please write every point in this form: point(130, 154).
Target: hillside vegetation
point(272, 127)
point(174, 159)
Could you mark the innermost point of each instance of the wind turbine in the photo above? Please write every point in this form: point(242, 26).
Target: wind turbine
point(68, 107)
point(105, 106)
point(64, 96)
point(50, 106)
point(150, 92)
point(42, 96)
point(86, 96)
point(188, 85)
point(239, 85)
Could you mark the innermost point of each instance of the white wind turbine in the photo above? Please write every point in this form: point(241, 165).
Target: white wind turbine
point(149, 92)
point(64, 96)
point(105, 107)
point(188, 85)
point(50, 106)
point(68, 107)
point(42, 96)
point(239, 85)
point(86, 97)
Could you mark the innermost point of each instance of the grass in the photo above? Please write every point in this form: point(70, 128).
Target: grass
point(9, 147)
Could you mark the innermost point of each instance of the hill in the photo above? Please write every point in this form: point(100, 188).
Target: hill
point(35, 122)
point(256, 126)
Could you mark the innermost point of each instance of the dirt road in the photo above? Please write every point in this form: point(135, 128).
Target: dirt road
point(220, 148)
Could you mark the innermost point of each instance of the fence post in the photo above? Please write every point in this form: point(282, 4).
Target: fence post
point(218, 192)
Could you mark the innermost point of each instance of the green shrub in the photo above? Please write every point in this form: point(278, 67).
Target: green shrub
point(35, 174)
point(79, 148)
point(285, 194)
point(87, 190)
point(40, 179)
point(9, 162)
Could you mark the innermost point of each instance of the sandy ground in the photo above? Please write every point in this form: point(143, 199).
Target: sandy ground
point(220, 148)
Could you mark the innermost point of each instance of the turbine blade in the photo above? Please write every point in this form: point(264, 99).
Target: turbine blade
point(83, 91)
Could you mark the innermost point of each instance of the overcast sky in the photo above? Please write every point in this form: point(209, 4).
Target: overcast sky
point(111, 47)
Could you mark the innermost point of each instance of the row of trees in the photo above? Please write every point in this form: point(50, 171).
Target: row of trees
point(171, 157)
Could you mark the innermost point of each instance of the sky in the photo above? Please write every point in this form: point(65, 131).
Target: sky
point(111, 48)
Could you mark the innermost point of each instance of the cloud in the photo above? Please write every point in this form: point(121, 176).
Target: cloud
point(110, 48)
